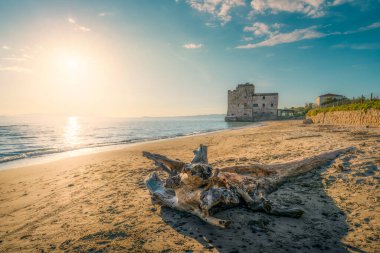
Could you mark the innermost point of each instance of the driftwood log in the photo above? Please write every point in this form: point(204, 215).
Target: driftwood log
point(199, 189)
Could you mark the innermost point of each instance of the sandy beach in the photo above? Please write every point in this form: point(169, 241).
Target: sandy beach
point(99, 203)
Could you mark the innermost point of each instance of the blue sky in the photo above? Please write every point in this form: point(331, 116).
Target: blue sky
point(159, 58)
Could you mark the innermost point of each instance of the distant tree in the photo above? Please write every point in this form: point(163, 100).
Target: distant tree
point(301, 110)
point(307, 108)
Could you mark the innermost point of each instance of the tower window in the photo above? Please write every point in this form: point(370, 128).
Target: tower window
point(271, 105)
point(263, 97)
point(263, 105)
point(255, 105)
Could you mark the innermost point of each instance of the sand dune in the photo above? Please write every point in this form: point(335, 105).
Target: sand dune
point(98, 202)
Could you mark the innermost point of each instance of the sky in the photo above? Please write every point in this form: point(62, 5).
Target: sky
point(168, 58)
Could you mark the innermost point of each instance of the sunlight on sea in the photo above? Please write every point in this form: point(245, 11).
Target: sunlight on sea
point(71, 131)
point(24, 137)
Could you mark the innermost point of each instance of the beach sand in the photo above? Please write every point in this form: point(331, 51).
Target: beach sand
point(98, 202)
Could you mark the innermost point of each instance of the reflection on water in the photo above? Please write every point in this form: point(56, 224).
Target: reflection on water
point(71, 131)
point(33, 136)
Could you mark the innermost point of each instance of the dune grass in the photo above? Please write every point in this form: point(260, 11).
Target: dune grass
point(349, 107)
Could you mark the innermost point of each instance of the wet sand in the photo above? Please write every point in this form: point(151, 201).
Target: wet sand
point(98, 202)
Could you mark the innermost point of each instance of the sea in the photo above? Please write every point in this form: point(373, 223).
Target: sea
point(31, 139)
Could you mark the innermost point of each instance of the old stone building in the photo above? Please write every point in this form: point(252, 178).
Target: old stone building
point(246, 105)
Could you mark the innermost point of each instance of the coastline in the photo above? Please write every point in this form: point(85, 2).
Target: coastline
point(39, 160)
point(99, 201)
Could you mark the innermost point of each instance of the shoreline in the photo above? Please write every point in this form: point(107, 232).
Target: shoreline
point(39, 160)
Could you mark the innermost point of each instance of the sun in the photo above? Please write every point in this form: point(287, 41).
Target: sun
point(73, 63)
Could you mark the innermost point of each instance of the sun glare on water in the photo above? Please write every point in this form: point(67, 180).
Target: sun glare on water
point(71, 131)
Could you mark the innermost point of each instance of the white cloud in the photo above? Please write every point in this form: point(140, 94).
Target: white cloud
point(27, 56)
point(339, 2)
point(15, 69)
point(277, 26)
point(77, 26)
point(283, 38)
point(258, 29)
point(218, 8)
point(83, 28)
point(312, 8)
point(370, 27)
point(360, 29)
point(273, 36)
point(5, 47)
point(247, 38)
point(305, 47)
point(192, 46)
point(105, 14)
point(211, 25)
point(261, 29)
point(71, 20)
point(364, 46)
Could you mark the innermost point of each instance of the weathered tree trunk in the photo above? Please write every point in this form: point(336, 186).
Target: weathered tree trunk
point(198, 189)
point(200, 155)
point(168, 165)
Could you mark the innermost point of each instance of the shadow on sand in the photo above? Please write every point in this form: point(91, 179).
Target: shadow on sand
point(320, 229)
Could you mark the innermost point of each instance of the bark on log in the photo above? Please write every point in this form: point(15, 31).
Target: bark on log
point(171, 166)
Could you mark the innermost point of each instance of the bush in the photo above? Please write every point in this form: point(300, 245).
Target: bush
point(350, 107)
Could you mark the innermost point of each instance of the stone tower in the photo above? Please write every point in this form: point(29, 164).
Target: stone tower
point(246, 105)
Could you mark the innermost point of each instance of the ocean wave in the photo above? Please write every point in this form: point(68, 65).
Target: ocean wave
point(22, 141)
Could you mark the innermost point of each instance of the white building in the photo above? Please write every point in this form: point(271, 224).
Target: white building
point(320, 100)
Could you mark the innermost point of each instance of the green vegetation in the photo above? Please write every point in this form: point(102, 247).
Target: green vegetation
point(301, 110)
point(349, 107)
point(330, 100)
